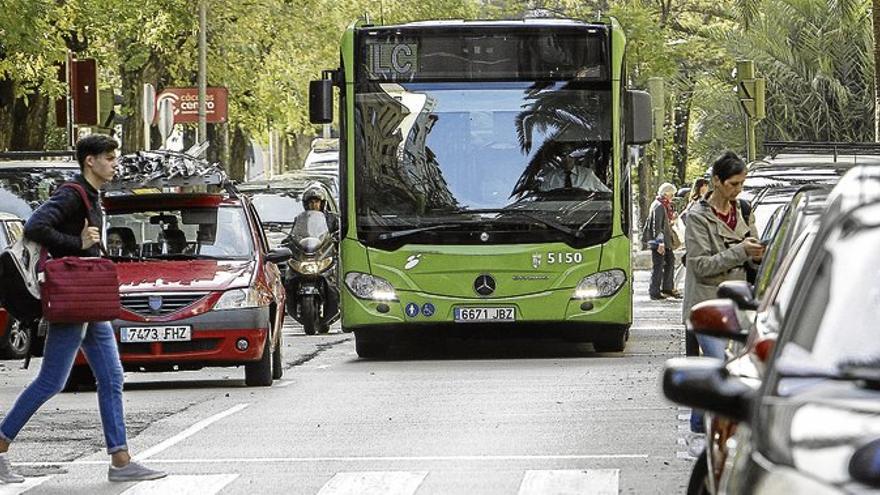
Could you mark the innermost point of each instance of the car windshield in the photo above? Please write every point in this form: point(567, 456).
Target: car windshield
point(180, 233)
point(276, 208)
point(434, 153)
point(23, 189)
point(828, 336)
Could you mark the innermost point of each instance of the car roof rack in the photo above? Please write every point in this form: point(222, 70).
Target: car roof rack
point(30, 155)
point(163, 171)
point(774, 148)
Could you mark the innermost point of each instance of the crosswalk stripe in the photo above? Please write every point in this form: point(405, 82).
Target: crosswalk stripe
point(570, 481)
point(16, 488)
point(206, 484)
point(374, 483)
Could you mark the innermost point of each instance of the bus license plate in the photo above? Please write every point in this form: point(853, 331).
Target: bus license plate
point(156, 334)
point(484, 314)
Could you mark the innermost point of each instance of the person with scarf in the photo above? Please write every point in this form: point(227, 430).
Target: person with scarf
point(659, 236)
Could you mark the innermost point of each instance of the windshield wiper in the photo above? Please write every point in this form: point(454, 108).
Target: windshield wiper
point(408, 232)
point(577, 234)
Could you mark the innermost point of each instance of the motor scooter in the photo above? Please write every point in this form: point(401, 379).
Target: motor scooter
point(311, 280)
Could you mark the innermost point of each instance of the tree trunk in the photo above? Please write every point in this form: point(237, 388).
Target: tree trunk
point(681, 117)
point(875, 14)
point(237, 155)
point(7, 103)
point(132, 92)
point(646, 193)
point(29, 117)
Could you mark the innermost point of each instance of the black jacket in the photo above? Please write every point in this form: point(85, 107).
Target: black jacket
point(58, 223)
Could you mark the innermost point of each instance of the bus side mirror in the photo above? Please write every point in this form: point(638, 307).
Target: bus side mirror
point(639, 117)
point(321, 101)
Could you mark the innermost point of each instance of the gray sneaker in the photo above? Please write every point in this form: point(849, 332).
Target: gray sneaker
point(6, 473)
point(134, 472)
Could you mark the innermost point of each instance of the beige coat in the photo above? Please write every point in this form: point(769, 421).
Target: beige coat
point(714, 253)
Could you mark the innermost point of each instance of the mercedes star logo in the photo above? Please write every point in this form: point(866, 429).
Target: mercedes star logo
point(484, 285)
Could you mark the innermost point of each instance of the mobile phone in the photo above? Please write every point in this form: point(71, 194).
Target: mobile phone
point(764, 242)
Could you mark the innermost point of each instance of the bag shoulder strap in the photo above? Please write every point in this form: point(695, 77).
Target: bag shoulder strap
point(744, 206)
point(82, 193)
point(85, 198)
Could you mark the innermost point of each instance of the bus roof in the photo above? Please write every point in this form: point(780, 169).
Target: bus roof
point(469, 24)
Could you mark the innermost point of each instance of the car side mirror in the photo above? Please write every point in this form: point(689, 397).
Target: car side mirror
point(740, 291)
point(863, 466)
point(717, 318)
point(704, 383)
point(279, 255)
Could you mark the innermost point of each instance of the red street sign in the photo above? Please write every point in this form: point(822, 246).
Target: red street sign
point(185, 104)
point(84, 90)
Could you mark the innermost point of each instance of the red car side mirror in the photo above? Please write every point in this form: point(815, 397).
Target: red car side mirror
point(717, 318)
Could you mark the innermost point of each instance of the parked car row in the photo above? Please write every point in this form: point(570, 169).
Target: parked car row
point(795, 407)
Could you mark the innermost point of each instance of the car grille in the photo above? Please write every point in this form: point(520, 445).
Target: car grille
point(140, 303)
point(170, 347)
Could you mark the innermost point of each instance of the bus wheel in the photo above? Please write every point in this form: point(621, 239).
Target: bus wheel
point(613, 341)
point(370, 347)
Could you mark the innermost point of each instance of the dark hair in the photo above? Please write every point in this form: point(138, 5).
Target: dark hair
point(126, 234)
point(695, 189)
point(93, 144)
point(727, 165)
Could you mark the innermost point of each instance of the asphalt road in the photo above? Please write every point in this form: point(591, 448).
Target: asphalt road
point(477, 417)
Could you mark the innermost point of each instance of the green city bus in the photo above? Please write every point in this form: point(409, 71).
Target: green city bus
point(485, 179)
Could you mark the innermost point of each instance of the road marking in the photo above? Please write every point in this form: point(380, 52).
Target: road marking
point(469, 458)
point(283, 384)
point(206, 484)
point(192, 430)
point(374, 483)
point(16, 488)
point(570, 481)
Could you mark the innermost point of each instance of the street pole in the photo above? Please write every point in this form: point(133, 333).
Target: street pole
point(71, 129)
point(202, 134)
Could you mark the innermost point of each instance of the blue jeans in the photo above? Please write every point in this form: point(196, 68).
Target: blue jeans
point(63, 340)
point(711, 347)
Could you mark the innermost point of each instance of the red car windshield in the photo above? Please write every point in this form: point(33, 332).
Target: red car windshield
point(180, 233)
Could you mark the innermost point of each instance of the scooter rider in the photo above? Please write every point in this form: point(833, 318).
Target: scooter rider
point(313, 200)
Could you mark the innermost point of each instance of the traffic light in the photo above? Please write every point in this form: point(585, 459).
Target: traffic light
point(750, 89)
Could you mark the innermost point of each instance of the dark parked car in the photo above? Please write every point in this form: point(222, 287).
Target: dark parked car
point(15, 336)
point(812, 423)
point(27, 179)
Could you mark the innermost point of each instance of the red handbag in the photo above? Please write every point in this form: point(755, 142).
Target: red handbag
point(76, 289)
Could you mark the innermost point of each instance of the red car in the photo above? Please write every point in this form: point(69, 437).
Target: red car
point(198, 283)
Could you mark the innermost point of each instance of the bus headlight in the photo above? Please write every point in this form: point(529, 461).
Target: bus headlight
point(366, 286)
point(602, 284)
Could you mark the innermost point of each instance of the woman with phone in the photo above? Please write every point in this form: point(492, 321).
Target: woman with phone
point(719, 244)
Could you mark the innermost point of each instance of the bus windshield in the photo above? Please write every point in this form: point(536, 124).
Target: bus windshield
point(432, 153)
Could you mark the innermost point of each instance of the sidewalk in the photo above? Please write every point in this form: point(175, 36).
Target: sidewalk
point(642, 259)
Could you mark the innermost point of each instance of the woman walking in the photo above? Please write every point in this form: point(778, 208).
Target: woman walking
point(658, 232)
